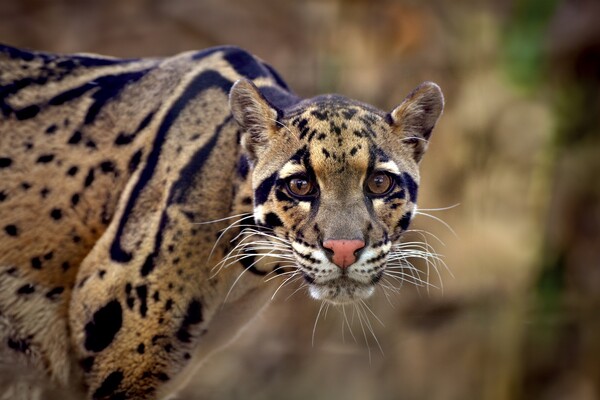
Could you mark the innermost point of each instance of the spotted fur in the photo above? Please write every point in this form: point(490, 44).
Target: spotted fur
point(111, 279)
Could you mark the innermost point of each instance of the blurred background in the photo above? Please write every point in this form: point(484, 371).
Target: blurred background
point(517, 313)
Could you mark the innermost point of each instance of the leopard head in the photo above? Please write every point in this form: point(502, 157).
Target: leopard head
point(335, 181)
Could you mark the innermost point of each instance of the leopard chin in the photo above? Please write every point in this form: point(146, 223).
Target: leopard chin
point(342, 290)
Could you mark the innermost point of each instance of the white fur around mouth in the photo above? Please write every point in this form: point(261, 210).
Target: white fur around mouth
point(341, 291)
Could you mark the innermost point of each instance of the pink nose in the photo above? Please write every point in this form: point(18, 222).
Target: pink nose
point(343, 251)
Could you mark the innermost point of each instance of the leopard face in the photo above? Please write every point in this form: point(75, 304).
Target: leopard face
point(335, 182)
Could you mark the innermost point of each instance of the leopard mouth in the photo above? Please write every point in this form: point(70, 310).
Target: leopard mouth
point(342, 290)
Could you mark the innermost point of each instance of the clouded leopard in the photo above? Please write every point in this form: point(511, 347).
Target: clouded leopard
point(137, 196)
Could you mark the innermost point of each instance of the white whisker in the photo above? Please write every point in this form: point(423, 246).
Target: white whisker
point(418, 212)
point(362, 327)
point(363, 305)
point(316, 321)
point(284, 282)
point(223, 219)
point(441, 208)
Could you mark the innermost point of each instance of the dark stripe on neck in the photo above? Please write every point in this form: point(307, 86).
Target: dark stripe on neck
point(204, 81)
point(179, 191)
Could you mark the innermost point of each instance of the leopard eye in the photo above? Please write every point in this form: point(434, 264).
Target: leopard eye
point(301, 186)
point(379, 183)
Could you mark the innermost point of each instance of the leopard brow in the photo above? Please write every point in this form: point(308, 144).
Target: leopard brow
point(388, 166)
point(291, 169)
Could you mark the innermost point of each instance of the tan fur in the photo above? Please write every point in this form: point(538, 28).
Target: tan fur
point(112, 279)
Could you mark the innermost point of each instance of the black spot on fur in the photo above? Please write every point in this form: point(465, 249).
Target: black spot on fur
point(348, 113)
point(308, 278)
point(325, 153)
point(130, 300)
point(75, 199)
point(45, 158)
point(20, 345)
point(5, 162)
point(157, 338)
point(124, 138)
point(377, 278)
point(322, 116)
point(87, 364)
point(65, 266)
point(56, 214)
point(405, 221)
point(162, 376)
point(141, 348)
point(109, 385)
point(51, 129)
point(11, 230)
point(54, 293)
point(135, 161)
point(27, 112)
point(142, 293)
point(89, 179)
point(107, 166)
point(44, 192)
point(75, 138)
point(105, 323)
point(36, 263)
point(193, 316)
point(148, 265)
point(168, 304)
point(333, 128)
point(72, 171)
point(26, 289)
point(3, 196)
point(48, 256)
point(273, 220)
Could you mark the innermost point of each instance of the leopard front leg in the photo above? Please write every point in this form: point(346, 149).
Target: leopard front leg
point(137, 316)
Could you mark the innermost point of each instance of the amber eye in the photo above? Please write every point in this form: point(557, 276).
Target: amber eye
point(379, 183)
point(301, 186)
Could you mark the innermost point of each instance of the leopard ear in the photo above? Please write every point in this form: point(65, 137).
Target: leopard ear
point(416, 117)
point(255, 115)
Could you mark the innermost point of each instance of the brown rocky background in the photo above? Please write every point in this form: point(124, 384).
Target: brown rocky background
point(518, 149)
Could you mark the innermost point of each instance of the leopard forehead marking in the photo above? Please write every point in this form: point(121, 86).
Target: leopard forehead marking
point(341, 136)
